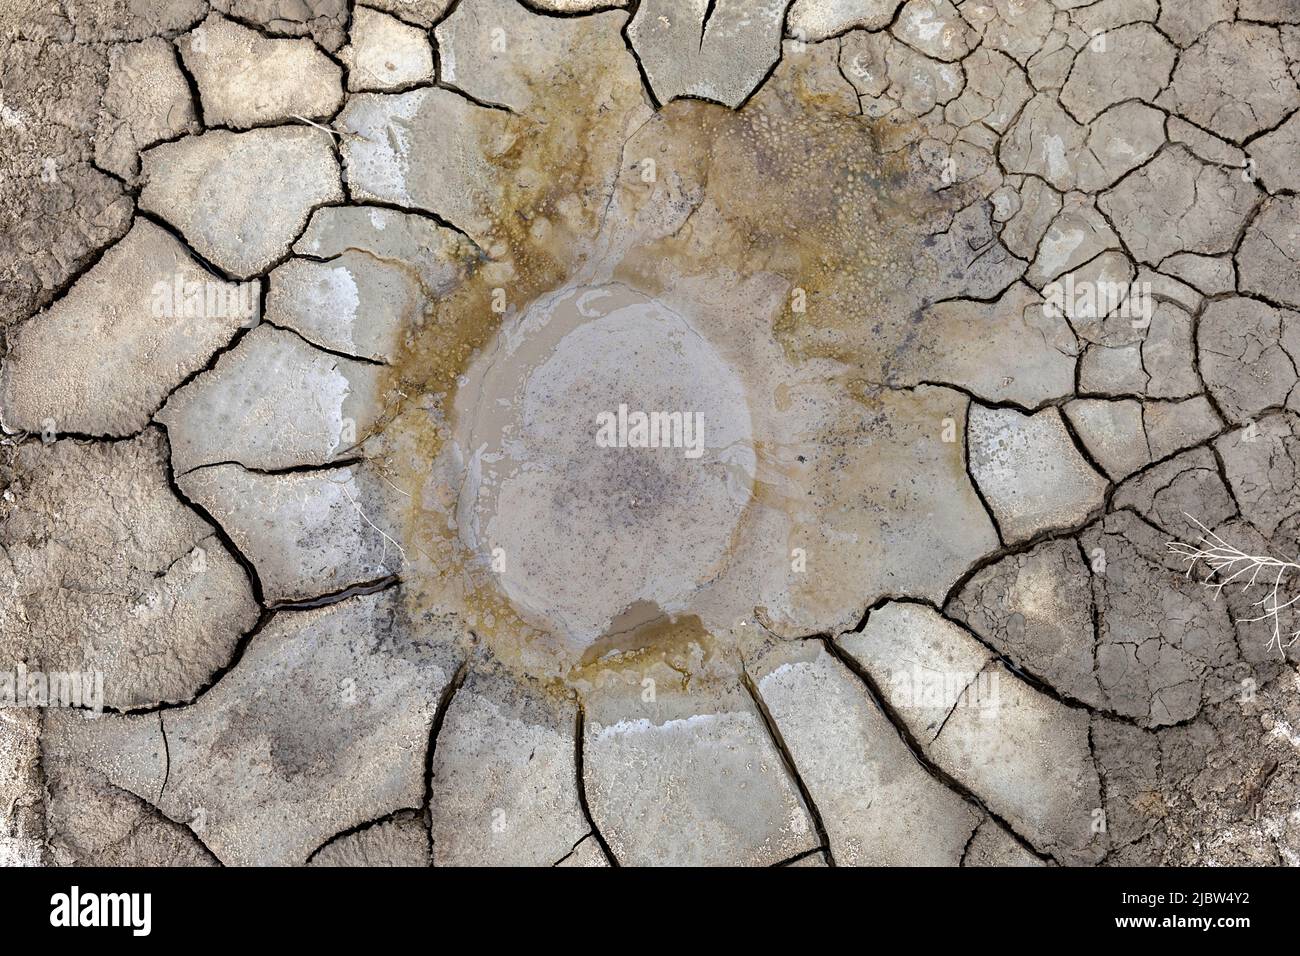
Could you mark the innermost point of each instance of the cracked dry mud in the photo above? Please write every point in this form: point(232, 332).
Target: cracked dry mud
point(321, 319)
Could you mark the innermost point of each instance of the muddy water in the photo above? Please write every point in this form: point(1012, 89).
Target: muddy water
point(607, 455)
point(755, 268)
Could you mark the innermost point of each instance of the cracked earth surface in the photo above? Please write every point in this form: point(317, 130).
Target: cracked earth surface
point(311, 308)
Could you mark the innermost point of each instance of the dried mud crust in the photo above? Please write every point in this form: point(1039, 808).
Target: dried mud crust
point(248, 519)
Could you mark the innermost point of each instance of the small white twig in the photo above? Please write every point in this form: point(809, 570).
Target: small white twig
point(332, 132)
point(364, 517)
point(344, 484)
point(1227, 563)
point(388, 481)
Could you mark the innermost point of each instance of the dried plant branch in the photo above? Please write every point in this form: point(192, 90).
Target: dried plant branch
point(337, 134)
point(1227, 564)
point(346, 485)
point(366, 518)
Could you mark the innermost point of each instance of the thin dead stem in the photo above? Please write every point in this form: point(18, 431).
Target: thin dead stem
point(346, 484)
point(366, 518)
point(333, 132)
point(1228, 564)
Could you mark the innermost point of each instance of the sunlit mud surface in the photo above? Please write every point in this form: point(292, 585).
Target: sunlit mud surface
point(730, 433)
